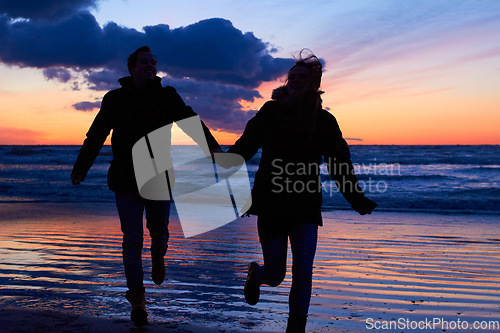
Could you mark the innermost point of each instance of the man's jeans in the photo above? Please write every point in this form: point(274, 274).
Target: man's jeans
point(131, 208)
point(303, 240)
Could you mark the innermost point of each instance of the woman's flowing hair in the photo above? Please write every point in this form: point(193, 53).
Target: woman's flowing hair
point(303, 124)
point(305, 58)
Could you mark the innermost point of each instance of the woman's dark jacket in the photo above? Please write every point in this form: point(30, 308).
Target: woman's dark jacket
point(294, 140)
point(131, 114)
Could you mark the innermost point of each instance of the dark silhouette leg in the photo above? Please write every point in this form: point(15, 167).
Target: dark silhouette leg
point(157, 214)
point(130, 210)
point(303, 240)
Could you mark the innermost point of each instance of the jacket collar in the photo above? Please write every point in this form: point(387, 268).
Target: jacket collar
point(127, 82)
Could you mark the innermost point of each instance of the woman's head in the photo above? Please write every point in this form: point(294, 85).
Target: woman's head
point(304, 75)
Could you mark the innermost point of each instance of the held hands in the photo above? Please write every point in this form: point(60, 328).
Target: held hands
point(215, 151)
point(223, 159)
point(228, 160)
point(364, 206)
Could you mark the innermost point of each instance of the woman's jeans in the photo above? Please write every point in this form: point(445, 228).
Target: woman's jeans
point(303, 240)
point(131, 208)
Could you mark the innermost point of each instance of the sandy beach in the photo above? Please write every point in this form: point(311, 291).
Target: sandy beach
point(61, 271)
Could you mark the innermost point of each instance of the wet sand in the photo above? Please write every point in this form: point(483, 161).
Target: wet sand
point(61, 270)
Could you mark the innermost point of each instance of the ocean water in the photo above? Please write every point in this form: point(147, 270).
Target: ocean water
point(448, 179)
point(400, 264)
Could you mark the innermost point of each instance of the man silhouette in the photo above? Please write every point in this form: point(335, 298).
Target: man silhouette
point(140, 106)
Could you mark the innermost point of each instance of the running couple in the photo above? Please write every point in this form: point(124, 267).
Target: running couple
point(292, 127)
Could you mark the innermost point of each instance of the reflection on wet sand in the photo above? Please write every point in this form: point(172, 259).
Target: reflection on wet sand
point(385, 266)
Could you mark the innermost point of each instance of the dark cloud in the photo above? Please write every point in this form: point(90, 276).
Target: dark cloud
point(102, 79)
point(87, 106)
point(218, 104)
point(192, 87)
point(43, 9)
point(223, 64)
point(59, 73)
point(209, 50)
point(76, 41)
point(214, 50)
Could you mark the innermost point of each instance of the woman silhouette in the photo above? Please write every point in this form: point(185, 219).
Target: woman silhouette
point(295, 134)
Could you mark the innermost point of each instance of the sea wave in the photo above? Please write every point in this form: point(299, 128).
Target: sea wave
point(422, 183)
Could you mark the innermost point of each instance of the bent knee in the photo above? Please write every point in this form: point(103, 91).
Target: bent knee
point(275, 280)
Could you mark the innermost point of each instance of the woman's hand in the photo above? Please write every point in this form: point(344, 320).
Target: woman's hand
point(76, 179)
point(364, 206)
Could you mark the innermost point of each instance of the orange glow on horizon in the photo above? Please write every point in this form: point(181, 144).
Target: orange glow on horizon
point(46, 117)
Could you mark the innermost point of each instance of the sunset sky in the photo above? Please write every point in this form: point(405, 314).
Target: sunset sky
point(397, 72)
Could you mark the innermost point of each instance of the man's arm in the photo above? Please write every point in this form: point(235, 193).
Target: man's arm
point(183, 111)
point(213, 145)
point(96, 136)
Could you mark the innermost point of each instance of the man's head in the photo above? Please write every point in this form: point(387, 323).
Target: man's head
point(142, 64)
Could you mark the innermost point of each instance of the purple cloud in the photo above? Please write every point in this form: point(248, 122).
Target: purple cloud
point(223, 64)
point(87, 106)
point(46, 9)
point(59, 73)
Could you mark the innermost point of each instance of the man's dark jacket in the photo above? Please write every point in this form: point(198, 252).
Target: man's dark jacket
point(131, 114)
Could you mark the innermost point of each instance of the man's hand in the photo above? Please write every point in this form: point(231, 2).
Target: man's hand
point(76, 179)
point(364, 206)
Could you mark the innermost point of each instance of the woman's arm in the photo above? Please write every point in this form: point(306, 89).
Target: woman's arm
point(338, 159)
